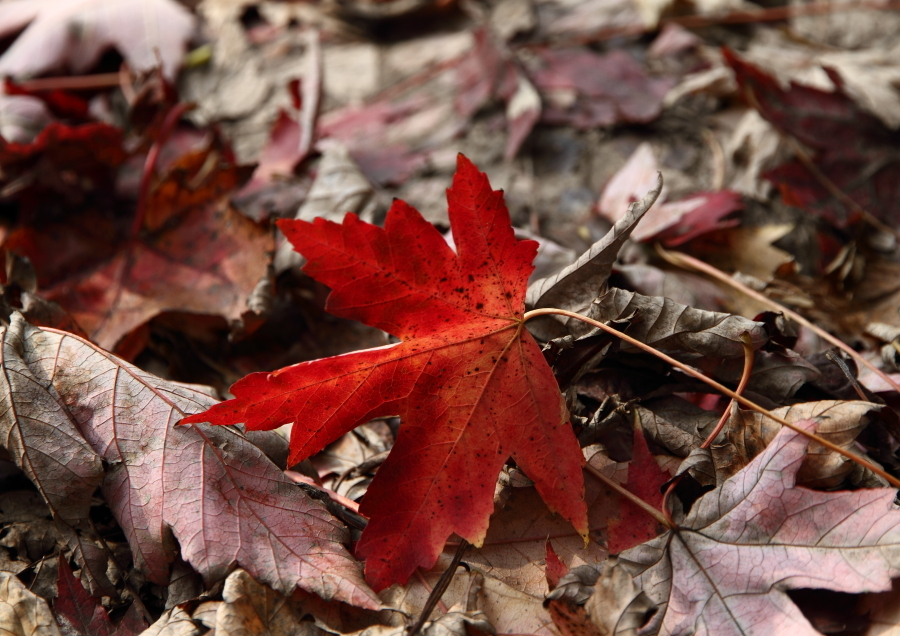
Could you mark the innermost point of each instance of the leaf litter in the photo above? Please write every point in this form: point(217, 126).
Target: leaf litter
point(188, 291)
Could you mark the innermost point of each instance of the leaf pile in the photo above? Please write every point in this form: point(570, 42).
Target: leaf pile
point(219, 219)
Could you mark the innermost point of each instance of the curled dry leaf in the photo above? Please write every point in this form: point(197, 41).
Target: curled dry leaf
point(23, 613)
point(146, 32)
point(576, 286)
point(727, 569)
point(840, 422)
point(72, 407)
point(616, 605)
point(675, 328)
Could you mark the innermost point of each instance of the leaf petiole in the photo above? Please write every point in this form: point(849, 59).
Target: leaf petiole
point(716, 385)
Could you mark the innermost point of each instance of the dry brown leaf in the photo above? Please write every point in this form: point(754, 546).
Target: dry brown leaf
point(576, 286)
point(748, 433)
point(23, 613)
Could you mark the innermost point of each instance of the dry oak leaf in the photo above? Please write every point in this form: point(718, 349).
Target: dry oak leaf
point(468, 381)
point(727, 568)
point(74, 416)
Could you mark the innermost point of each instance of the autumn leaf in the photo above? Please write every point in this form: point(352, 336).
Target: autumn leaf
point(75, 417)
point(468, 381)
point(728, 567)
point(194, 252)
point(75, 33)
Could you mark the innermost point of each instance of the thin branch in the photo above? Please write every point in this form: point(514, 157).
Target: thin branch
point(689, 262)
point(719, 387)
point(439, 589)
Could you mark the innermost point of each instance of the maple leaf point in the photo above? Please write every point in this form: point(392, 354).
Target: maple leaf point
point(467, 379)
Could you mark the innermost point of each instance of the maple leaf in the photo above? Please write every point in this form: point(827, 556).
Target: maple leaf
point(727, 568)
point(75, 417)
point(633, 526)
point(468, 381)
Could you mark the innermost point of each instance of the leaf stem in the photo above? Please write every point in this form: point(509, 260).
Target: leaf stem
point(689, 262)
point(630, 496)
point(719, 387)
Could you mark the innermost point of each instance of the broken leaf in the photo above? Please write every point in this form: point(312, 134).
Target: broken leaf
point(468, 381)
point(23, 613)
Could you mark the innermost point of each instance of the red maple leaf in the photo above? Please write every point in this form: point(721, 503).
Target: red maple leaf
point(467, 379)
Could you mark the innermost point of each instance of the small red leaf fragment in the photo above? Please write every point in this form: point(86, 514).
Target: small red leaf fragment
point(556, 569)
point(645, 478)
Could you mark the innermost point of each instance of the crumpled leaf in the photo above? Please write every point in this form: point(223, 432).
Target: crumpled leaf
point(251, 608)
point(468, 381)
point(616, 605)
point(747, 433)
point(23, 613)
point(73, 34)
point(672, 327)
point(576, 286)
point(195, 253)
point(727, 568)
point(211, 489)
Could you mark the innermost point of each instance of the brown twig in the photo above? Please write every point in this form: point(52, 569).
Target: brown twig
point(443, 583)
point(745, 379)
point(689, 262)
point(630, 496)
point(719, 387)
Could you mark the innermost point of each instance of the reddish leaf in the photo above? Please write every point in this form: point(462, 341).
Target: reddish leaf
point(77, 612)
point(633, 526)
point(468, 381)
point(610, 88)
point(851, 147)
point(196, 253)
point(556, 569)
point(728, 567)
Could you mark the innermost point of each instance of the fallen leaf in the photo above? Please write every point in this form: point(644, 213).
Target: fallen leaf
point(851, 147)
point(616, 605)
point(586, 89)
point(575, 287)
point(195, 253)
point(465, 360)
point(633, 525)
point(79, 613)
point(251, 608)
point(23, 613)
point(839, 422)
point(173, 622)
point(210, 489)
point(678, 329)
point(728, 567)
point(73, 34)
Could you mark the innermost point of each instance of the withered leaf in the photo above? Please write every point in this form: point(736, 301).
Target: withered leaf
point(576, 286)
point(72, 405)
point(727, 569)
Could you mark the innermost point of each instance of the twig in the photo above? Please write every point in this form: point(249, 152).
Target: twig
point(719, 387)
point(689, 262)
point(745, 379)
point(439, 589)
point(311, 90)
